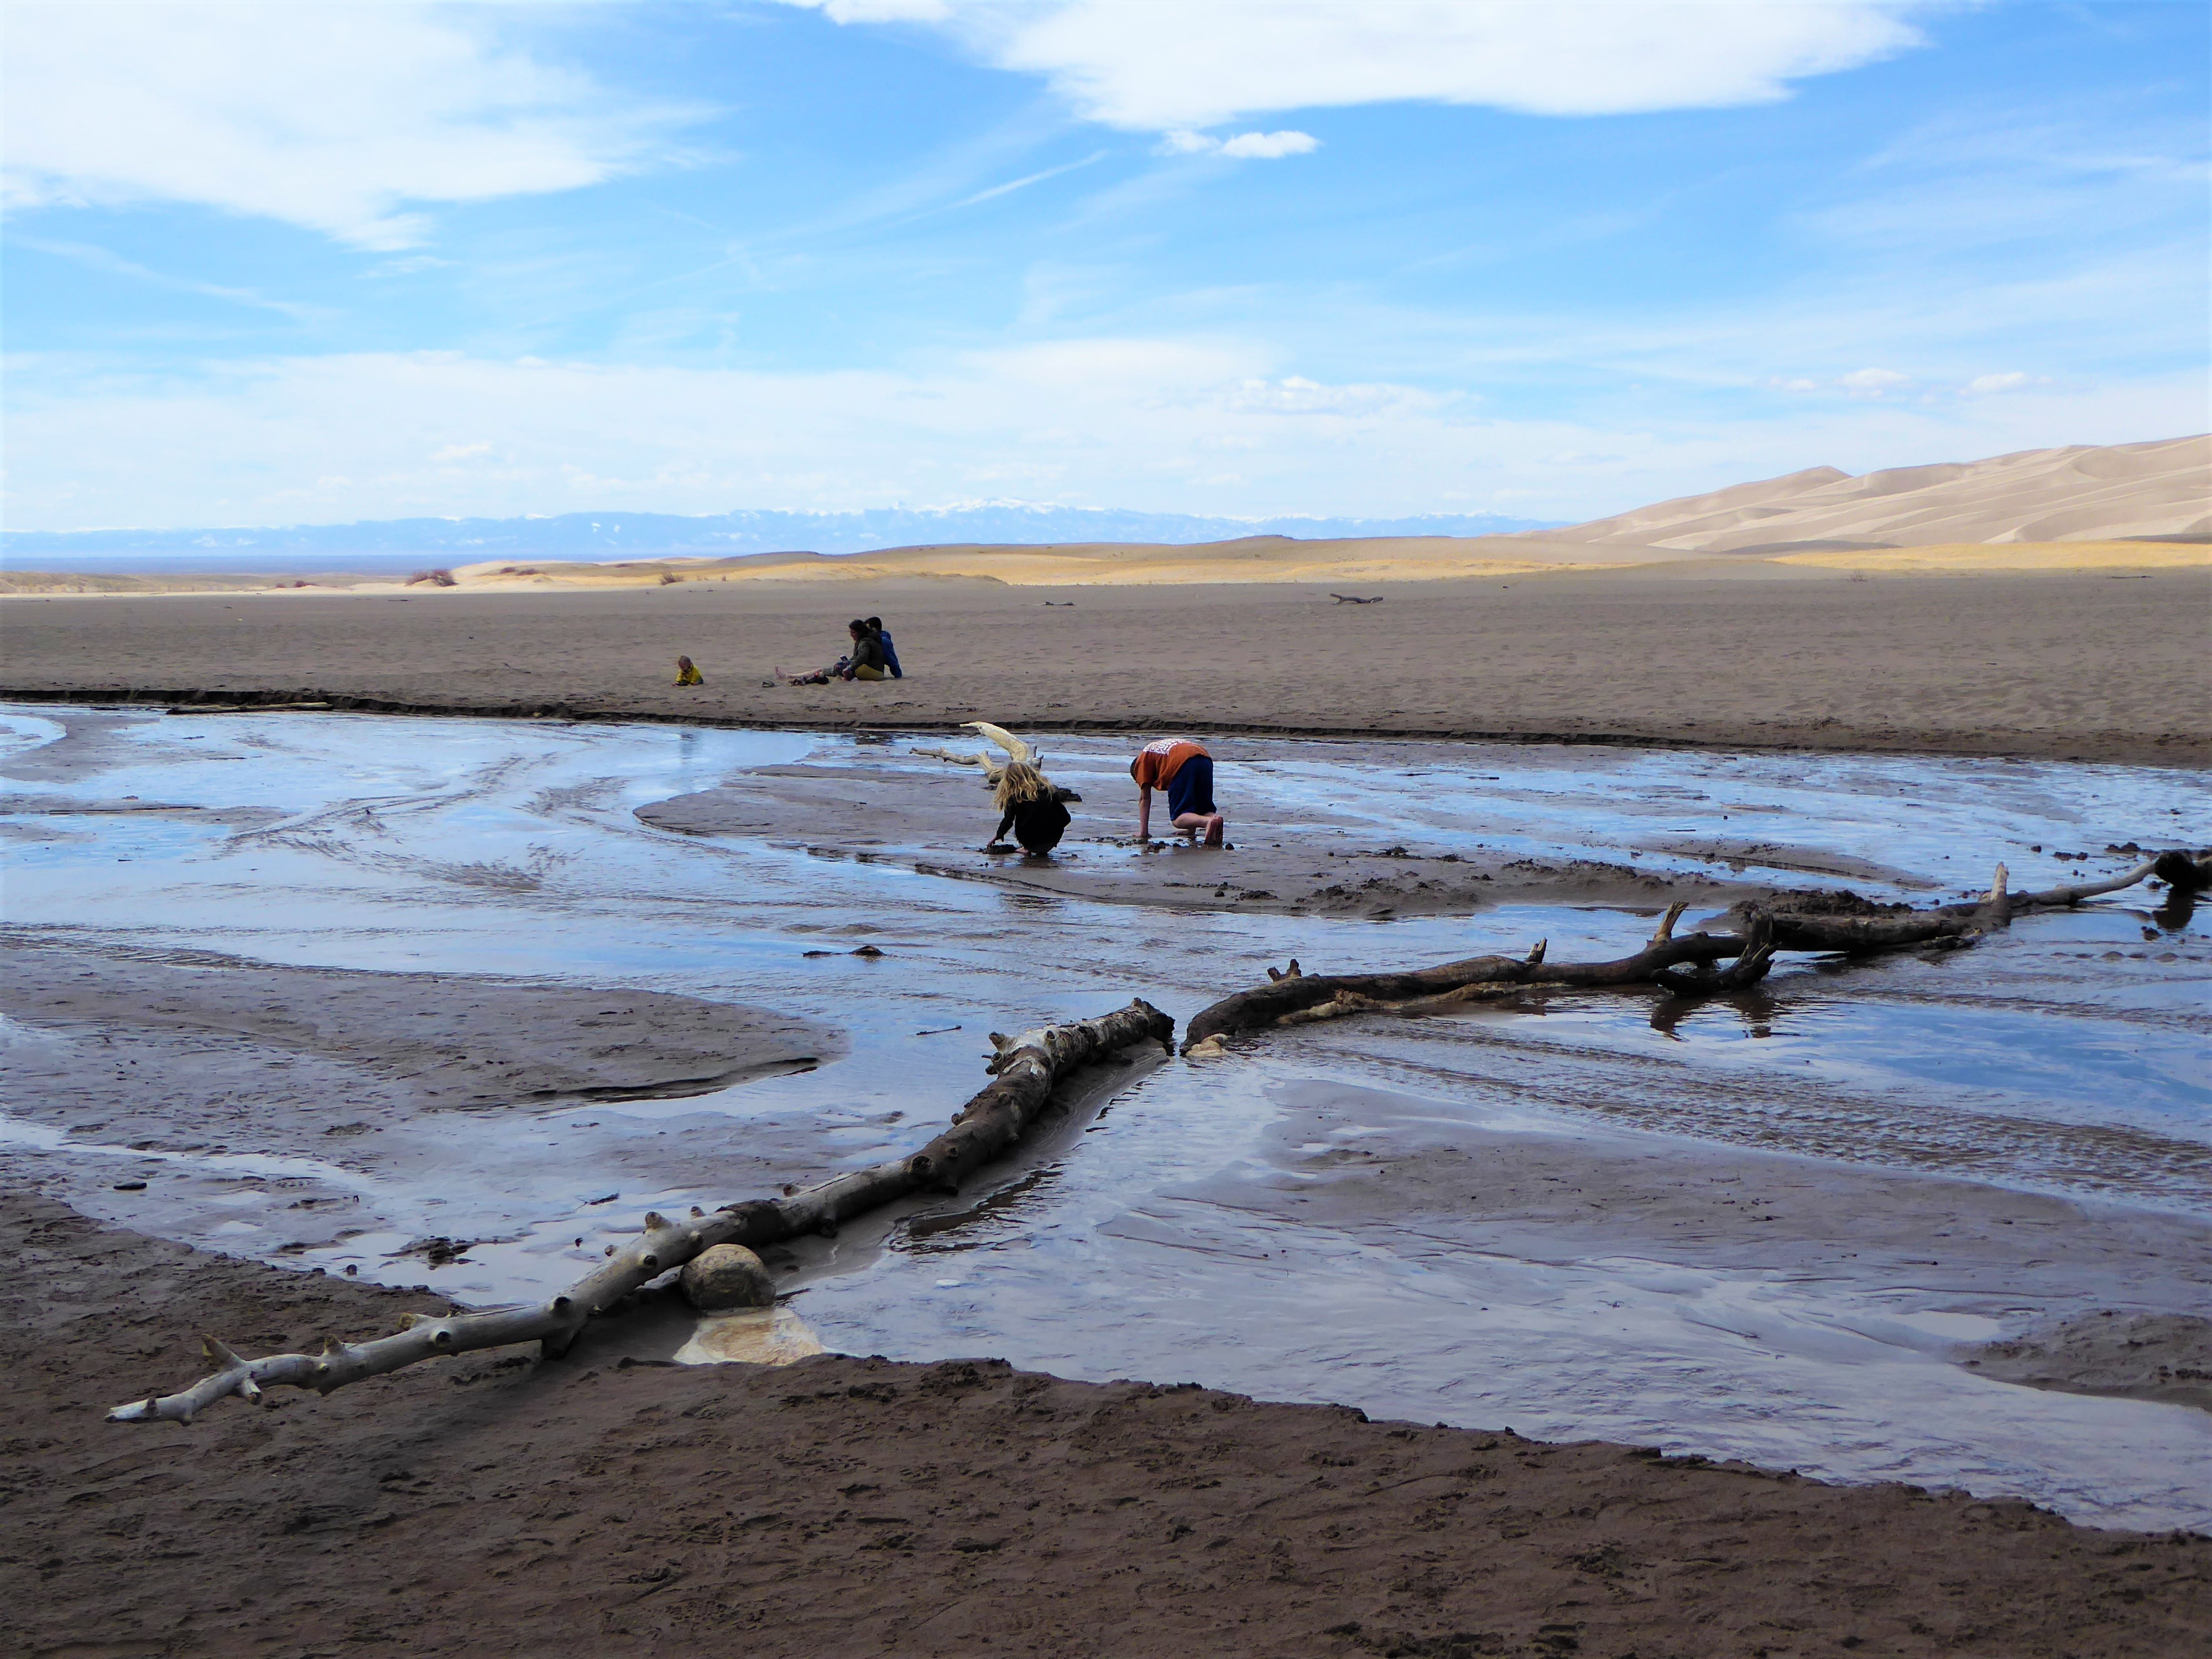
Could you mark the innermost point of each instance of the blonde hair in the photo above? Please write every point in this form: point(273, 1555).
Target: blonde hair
point(1020, 782)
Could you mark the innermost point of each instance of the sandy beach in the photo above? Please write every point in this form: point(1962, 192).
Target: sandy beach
point(852, 1506)
point(2103, 666)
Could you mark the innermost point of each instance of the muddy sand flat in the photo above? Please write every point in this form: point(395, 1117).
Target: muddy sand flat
point(854, 1506)
point(936, 822)
point(2097, 665)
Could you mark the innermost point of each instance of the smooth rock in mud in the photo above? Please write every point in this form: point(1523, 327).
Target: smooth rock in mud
point(728, 1276)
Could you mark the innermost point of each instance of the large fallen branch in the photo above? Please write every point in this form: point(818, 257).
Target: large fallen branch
point(986, 1129)
point(1683, 966)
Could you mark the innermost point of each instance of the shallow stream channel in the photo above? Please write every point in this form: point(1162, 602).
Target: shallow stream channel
point(452, 1003)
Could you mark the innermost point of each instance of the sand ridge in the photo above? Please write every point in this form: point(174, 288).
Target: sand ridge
point(2082, 667)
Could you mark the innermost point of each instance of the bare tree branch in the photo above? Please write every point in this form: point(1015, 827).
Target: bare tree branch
point(1024, 1069)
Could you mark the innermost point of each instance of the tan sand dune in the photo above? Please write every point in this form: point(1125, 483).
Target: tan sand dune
point(2075, 494)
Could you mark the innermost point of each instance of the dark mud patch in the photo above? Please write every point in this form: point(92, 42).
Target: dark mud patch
point(496, 1505)
point(2141, 1355)
point(451, 1041)
point(67, 806)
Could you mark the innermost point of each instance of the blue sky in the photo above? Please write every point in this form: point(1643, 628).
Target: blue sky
point(305, 263)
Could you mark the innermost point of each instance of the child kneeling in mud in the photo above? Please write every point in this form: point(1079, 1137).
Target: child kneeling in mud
point(1185, 771)
point(1032, 810)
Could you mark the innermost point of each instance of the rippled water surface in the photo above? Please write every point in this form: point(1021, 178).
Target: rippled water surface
point(1161, 1228)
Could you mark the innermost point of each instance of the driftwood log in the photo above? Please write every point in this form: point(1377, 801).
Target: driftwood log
point(1024, 1069)
point(1683, 966)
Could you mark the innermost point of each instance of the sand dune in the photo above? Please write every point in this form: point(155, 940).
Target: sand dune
point(2080, 509)
point(2076, 494)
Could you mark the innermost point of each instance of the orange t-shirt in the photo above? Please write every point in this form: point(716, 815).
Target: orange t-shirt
point(1160, 762)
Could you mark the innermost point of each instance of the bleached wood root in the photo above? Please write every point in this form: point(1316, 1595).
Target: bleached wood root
point(1015, 748)
point(1025, 1068)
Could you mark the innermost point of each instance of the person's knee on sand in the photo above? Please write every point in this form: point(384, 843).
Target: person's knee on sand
point(1184, 771)
point(1209, 826)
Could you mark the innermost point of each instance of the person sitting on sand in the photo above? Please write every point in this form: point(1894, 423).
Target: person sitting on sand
point(866, 662)
point(1185, 770)
point(687, 673)
point(890, 657)
point(1032, 809)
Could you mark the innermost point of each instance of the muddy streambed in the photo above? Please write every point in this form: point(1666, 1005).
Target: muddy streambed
point(452, 1003)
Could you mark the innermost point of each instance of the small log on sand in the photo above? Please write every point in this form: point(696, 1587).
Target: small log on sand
point(1683, 966)
point(987, 1128)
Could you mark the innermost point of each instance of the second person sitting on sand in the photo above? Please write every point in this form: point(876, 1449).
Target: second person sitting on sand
point(866, 662)
point(1185, 770)
point(1032, 810)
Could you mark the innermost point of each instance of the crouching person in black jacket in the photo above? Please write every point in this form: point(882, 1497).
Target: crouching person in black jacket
point(1032, 810)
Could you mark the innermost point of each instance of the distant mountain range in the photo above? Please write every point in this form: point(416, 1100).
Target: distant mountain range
point(386, 543)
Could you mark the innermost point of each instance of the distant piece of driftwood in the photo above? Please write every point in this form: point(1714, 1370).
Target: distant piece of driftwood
point(986, 1129)
point(1353, 599)
point(1683, 966)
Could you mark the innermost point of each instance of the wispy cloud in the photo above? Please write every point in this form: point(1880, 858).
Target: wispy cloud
point(101, 259)
point(338, 117)
point(1013, 184)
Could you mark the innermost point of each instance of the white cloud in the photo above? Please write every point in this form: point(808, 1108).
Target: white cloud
point(885, 11)
point(1201, 63)
point(1211, 426)
point(1245, 146)
point(1270, 146)
point(334, 116)
point(1874, 382)
point(1983, 385)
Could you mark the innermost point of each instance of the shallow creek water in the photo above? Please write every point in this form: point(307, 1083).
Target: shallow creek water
point(1756, 1227)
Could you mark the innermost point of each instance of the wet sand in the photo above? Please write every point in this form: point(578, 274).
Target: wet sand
point(853, 1506)
point(434, 1040)
point(204, 1081)
point(935, 823)
point(1375, 1167)
point(2104, 666)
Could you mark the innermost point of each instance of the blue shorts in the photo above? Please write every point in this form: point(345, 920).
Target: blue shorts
point(1191, 789)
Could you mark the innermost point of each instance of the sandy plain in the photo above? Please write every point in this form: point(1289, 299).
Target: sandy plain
point(2080, 663)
